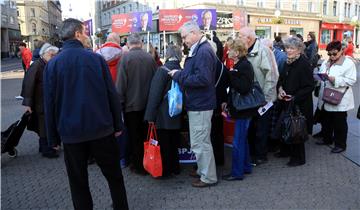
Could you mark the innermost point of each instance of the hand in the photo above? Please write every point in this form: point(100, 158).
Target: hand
point(223, 106)
point(331, 79)
point(28, 109)
point(172, 72)
point(281, 94)
point(118, 133)
point(151, 122)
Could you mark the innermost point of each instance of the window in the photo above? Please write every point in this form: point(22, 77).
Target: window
point(356, 10)
point(298, 31)
point(344, 9)
point(277, 4)
point(263, 32)
point(260, 3)
point(325, 37)
point(12, 20)
point(118, 10)
point(240, 2)
point(33, 28)
point(12, 5)
point(130, 7)
point(295, 5)
point(32, 12)
point(310, 6)
point(349, 9)
point(18, 13)
point(334, 8)
point(325, 7)
point(137, 6)
point(124, 9)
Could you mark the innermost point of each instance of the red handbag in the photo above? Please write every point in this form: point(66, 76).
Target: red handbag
point(152, 157)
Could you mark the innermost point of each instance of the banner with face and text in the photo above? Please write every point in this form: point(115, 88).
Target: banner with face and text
point(173, 19)
point(239, 19)
point(88, 27)
point(132, 22)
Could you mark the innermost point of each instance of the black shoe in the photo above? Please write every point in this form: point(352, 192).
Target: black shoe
point(50, 155)
point(318, 135)
point(260, 161)
point(281, 155)
point(321, 142)
point(229, 177)
point(337, 150)
point(295, 163)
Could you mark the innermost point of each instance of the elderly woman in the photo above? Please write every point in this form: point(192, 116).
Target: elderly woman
point(341, 75)
point(157, 112)
point(33, 96)
point(296, 83)
point(241, 81)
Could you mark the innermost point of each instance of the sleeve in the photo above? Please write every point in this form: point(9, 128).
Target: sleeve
point(122, 80)
point(348, 78)
point(114, 101)
point(28, 86)
point(201, 75)
point(49, 85)
point(242, 80)
point(156, 95)
point(270, 71)
point(306, 81)
point(27, 59)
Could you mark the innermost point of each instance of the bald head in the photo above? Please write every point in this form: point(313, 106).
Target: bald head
point(113, 37)
point(248, 36)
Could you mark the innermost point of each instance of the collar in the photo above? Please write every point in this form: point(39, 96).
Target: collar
point(135, 48)
point(254, 49)
point(339, 62)
point(111, 44)
point(194, 47)
point(73, 43)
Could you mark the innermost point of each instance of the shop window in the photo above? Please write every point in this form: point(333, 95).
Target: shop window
point(298, 31)
point(325, 37)
point(263, 32)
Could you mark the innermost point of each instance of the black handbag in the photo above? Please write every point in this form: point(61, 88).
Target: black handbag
point(358, 113)
point(253, 99)
point(293, 126)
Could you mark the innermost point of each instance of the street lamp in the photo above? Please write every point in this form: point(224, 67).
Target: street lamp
point(277, 15)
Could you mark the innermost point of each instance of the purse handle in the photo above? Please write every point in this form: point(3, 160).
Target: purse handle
point(152, 132)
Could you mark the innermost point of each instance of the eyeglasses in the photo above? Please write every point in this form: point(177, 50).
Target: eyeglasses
point(333, 54)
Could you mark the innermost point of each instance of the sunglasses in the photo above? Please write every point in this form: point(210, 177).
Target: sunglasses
point(333, 54)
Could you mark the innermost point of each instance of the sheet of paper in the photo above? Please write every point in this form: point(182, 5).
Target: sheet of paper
point(262, 110)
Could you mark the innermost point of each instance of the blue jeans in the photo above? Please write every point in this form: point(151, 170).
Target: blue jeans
point(240, 154)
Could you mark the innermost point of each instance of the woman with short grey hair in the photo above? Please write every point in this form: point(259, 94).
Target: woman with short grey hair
point(157, 112)
point(295, 88)
point(32, 91)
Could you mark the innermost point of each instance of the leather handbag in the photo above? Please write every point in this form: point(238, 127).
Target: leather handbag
point(253, 99)
point(152, 157)
point(332, 96)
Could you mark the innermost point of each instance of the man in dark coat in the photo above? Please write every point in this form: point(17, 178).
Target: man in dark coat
point(82, 107)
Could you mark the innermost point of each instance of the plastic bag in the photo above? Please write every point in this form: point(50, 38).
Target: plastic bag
point(175, 99)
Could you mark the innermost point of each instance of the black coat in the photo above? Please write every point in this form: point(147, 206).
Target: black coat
point(157, 108)
point(221, 87)
point(32, 91)
point(297, 80)
point(241, 80)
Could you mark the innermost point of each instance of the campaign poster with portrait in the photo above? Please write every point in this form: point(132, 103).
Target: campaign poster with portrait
point(173, 19)
point(239, 19)
point(88, 27)
point(132, 22)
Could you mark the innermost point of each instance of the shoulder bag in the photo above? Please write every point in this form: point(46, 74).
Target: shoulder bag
point(253, 99)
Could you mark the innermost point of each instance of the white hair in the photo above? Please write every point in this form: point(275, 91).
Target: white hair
point(248, 32)
point(190, 26)
point(47, 48)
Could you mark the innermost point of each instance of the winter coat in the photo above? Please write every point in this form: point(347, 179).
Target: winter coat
point(311, 52)
point(265, 69)
point(344, 71)
point(157, 108)
point(280, 58)
point(135, 73)
point(33, 94)
point(81, 103)
point(111, 52)
point(221, 88)
point(297, 80)
point(198, 78)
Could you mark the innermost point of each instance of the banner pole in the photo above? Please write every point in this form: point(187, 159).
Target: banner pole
point(233, 33)
point(164, 34)
point(148, 41)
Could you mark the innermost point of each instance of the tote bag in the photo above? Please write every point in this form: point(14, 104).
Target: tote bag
point(175, 99)
point(152, 157)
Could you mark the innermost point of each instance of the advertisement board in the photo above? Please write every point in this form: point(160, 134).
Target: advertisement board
point(88, 27)
point(132, 22)
point(239, 19)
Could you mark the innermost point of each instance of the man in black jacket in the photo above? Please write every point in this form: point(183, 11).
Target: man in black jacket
point(82, 107)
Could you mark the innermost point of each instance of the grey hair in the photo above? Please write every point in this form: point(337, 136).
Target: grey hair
point(47, 48)
point(190, 26)
point(267, 43)
point(173, 51)
point(69, 27)
point(294, 42)
point(248, 32)
point(134, 39)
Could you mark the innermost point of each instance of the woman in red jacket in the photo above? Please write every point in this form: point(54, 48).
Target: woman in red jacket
point(349, 50)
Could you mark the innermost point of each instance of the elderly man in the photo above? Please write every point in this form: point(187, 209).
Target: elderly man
point(135, 73)
point(266, 73)
point(198, 82)
point(82, 107)
point(144, 21)
point(111, 52)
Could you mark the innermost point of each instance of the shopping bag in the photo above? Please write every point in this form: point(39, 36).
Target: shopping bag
point(175, 99)
point(152, 157)
point(293, 126)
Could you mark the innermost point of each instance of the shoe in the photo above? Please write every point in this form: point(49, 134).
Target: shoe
point(260, 161)
point(318, 135)
point(295, 163)
point(281, 155)
point(201, 184)
point(50, 155)
point(229, 177)
point(321, 142)
point(194, 174)
point(19, 97)
point(337, 150)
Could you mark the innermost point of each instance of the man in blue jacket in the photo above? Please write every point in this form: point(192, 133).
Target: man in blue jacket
point(198, 83)
point(82, 107)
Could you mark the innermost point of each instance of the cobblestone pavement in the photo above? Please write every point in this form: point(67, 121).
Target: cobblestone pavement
point(327, 181)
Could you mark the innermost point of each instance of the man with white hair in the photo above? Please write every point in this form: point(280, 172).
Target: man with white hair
point(198, 82)
point(266, 73)
point(111, 52)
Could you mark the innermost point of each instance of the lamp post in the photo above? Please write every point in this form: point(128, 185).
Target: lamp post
point(277, 15)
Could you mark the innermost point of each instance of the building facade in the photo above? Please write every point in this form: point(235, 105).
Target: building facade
point(55, 19)
point(10, 32)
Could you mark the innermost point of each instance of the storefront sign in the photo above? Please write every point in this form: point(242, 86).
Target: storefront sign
point(268, 20)
point(173, 19)
point(239, 19)
point(132, 22)
point(88, 27)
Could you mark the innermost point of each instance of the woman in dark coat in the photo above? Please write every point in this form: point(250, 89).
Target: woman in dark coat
point(157, 111)
point(296, 83)
point(33, 97)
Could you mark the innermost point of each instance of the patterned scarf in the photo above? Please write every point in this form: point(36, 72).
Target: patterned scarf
point(291, 60)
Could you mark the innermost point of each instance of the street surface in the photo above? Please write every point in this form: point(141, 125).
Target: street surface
point(326, 181)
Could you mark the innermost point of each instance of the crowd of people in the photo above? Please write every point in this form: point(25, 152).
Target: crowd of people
point(85, 101)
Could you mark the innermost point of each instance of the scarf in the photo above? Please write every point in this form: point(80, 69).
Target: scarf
point(291, 60)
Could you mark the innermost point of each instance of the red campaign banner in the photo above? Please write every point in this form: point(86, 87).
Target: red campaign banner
point(173, 19)
point(122, 23)
point(239, 19)
point(132, 22)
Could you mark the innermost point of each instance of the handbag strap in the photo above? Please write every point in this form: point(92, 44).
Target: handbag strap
point(222, 69)
point(152, 132)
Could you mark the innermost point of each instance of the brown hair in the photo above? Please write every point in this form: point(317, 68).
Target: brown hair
point(239, 46)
